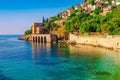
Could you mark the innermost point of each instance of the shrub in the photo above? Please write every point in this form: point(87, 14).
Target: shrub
point(27, 32)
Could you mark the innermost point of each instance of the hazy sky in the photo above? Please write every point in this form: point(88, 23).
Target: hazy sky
point(16, 16)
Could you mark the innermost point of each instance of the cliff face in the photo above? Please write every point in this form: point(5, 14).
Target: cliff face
point(26, 38)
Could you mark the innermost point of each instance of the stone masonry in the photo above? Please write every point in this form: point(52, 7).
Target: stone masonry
point(101, 40)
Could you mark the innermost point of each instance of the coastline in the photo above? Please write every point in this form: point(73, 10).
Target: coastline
point(78, 45)
point(74, 43)
point(25, 38)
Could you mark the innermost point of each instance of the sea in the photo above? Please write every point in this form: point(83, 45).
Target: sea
point(23, 60)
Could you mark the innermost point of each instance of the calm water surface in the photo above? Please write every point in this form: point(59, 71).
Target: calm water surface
point(20, 60)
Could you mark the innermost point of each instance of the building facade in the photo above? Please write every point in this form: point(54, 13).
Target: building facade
point(41, 34)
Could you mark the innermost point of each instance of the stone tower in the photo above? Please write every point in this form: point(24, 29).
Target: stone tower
point(36, 27)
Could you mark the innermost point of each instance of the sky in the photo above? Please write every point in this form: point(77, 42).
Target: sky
point(16, 16)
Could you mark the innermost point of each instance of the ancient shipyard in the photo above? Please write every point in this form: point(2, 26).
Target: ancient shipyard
point(40, 34)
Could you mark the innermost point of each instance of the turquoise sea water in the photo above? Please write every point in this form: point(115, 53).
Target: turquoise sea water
point(21, 60)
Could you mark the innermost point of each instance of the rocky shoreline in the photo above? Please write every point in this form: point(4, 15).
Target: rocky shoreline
point(78, 45)
point(26, 38)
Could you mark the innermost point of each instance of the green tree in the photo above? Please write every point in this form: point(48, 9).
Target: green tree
point(97, 11)
point(62, 33)
point(27, 32)
point(43, 19)
point(85, 28)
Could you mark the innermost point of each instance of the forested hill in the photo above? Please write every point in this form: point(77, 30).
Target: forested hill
point(86, 23)
point(92, 16)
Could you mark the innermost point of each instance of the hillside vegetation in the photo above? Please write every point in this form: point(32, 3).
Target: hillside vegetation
point(86, 23)
point(83, 22)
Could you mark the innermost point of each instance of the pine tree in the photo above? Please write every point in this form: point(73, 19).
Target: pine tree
point(43, 20)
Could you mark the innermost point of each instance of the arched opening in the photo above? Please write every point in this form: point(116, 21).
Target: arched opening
point(33, 39)
point(41, 38)
point(45, 39)
point(38, 39)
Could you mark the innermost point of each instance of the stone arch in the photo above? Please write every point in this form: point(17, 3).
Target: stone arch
point(35, 38)
point(45, 39)
point(41, 38)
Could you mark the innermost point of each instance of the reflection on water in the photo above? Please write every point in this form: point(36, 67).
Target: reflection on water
point(40, 50)
point(47, 50)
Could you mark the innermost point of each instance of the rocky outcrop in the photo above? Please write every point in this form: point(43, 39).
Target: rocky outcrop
point(26, 38)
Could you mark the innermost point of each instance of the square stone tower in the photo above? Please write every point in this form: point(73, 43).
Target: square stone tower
point(36, 27)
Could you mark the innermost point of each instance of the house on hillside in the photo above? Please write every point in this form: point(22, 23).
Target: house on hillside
point(100, 1)
point(107, 8)
point(77, 6)
point(63, 15)
point(66, 13)
point(69, 11)
point(88, 7)
point(117, 3)
point(113, 3)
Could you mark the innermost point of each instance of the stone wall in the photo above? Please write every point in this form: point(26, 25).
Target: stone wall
point(98, 40)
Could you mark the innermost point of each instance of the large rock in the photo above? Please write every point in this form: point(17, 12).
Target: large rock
point(26, 38)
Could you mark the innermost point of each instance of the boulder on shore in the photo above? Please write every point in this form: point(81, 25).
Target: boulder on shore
point(26, 38)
